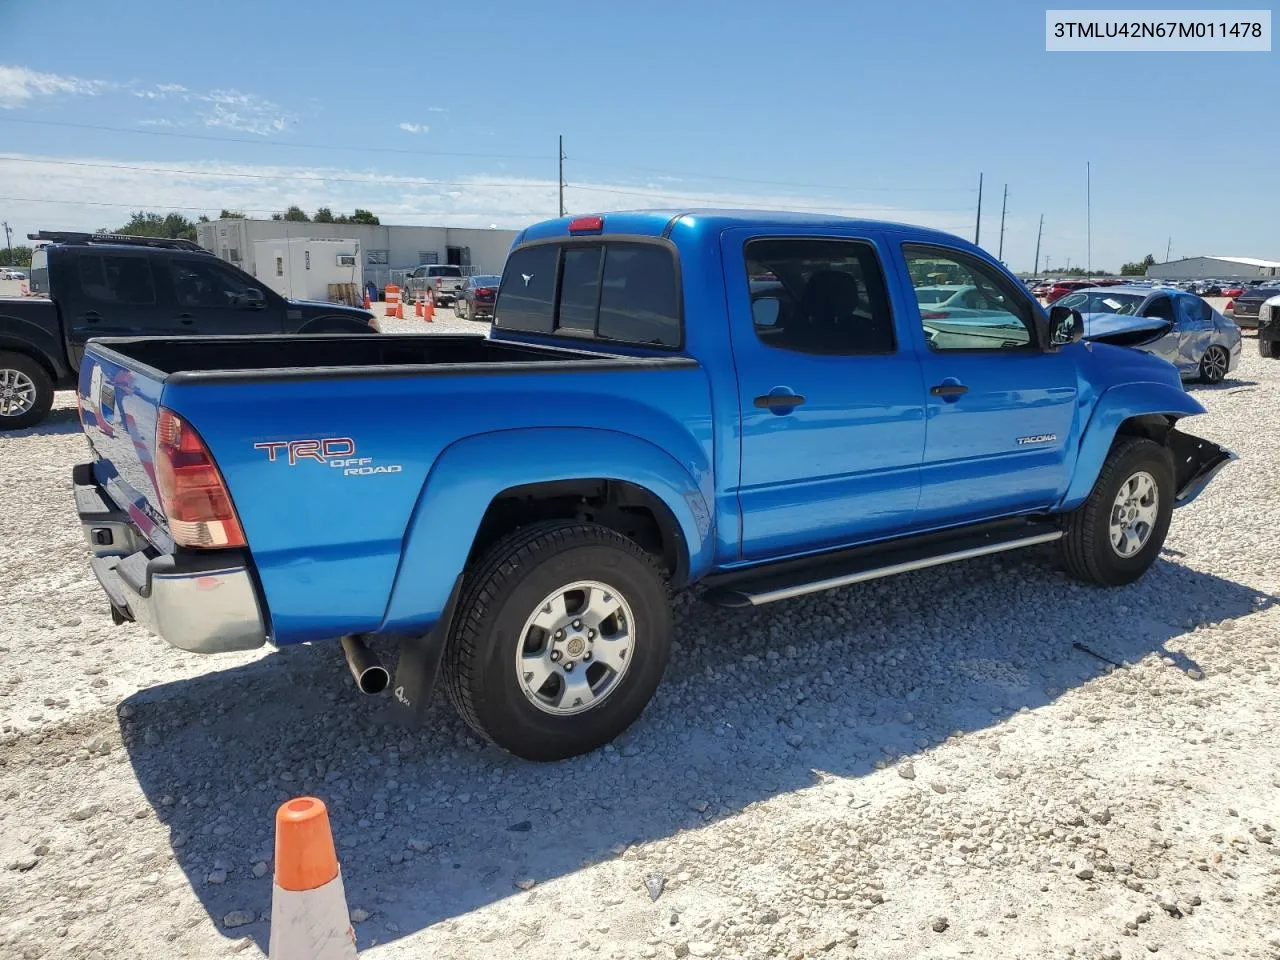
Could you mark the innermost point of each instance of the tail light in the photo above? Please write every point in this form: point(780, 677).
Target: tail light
point(192, 492)
point(1231, 305)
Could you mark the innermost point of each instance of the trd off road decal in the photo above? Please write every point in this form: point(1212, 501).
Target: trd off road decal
point(336, 452)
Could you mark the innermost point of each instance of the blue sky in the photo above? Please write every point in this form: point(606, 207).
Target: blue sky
point(880, 109)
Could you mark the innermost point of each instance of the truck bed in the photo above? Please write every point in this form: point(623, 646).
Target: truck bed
point(291, 356)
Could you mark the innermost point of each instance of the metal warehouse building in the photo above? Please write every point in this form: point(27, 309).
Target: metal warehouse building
point(386, 251)
point(1214, 268)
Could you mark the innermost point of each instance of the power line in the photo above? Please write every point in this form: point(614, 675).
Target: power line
point(269, 143)
point(406, 181)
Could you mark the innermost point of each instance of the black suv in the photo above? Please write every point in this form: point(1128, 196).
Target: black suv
point(88, 285)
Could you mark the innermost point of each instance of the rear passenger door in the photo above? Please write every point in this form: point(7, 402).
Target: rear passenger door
point(831, 404)
point(113, 294)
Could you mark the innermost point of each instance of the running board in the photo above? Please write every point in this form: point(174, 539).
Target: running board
point(781, 581)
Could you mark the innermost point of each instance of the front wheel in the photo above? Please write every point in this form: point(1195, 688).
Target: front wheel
point(1115, 535)
point(1214, 365)
point(26, 391)
point(561, 636)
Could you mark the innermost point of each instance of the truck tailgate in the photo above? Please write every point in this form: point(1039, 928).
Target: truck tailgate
point(119, 403)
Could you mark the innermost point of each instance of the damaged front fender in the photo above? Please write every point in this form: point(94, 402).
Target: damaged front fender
point(1195, 463)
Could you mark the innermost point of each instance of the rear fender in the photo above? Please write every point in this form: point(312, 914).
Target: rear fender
point(470, 473)
point(1114, 407)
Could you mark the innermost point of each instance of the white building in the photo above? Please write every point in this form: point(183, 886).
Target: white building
point(1214, 268)
point(304, 269)
point(387, 251)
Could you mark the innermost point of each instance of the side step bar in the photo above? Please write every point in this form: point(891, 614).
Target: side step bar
point(781, 581)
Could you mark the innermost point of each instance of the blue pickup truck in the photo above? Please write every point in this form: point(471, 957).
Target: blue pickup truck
point(755, 403)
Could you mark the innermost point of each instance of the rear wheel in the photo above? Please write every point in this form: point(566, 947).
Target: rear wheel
point(460, 309)
point(26, 391)
point(562, 634)
point(1214, 365)
point(1117, 533)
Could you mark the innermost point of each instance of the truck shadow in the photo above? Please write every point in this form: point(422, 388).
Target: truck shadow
point(430, 824)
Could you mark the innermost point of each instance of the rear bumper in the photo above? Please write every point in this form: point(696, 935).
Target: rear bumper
point(199, 602)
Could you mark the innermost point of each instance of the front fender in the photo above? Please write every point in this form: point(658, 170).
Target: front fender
point(468, 475)
point(1116, 405)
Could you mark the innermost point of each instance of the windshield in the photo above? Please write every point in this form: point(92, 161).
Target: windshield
point(1101, 301)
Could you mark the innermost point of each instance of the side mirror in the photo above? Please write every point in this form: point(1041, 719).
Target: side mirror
point(1065, 326)
point(252, 300)
point(764, 311)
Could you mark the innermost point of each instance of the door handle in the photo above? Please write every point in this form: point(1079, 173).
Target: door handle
point(186, 318)
point(779, 401)
point(949, 390)
point(92, 317)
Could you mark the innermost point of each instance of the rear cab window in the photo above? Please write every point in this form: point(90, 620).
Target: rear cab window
point(444, 272)
point(624, 291)
point(40, 272)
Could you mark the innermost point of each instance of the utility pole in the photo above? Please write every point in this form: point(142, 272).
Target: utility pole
point(562, 174)
point(1088, 213)
point(1167, 248)
point(8, 242)
point(1003, 206)
point(1039, 233)
point(977, 224)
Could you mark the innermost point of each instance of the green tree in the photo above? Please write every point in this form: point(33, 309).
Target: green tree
point(323, 215)
point(169, 226)
point(364, 216)
point(1138, 269)
point(295, 214)
point(230, 214)
point(21, 257)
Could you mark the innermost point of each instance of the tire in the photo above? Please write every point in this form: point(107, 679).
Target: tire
point(1214, 365)
point(506, 590)
point(1086, 548)
point(1268, 349)
point(459, 311)
point(25, 386)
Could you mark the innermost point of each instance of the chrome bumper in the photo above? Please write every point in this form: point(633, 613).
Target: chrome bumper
point(202, 603)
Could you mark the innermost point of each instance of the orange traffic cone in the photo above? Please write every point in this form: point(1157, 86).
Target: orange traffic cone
point(417, 306)
point(367, 304)
point(309, 918)
point(428, 311)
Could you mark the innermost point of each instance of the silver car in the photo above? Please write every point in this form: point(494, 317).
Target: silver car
point(1172, 324)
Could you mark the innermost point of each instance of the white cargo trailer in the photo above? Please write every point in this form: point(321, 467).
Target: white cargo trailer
point(305, 268)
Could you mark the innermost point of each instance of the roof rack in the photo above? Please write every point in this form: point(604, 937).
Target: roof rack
point(63, 236)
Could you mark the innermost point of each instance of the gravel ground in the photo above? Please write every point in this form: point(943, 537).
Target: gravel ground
point(936, 765)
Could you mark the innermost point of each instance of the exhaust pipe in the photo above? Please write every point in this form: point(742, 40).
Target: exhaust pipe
point(369, 673)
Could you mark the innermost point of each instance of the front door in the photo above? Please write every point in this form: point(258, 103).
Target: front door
point(1000, 408)
point(211, 297)
point(831, 401)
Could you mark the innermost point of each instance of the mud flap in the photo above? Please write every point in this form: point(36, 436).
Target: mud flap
point(420, 664)
point(1195, 463)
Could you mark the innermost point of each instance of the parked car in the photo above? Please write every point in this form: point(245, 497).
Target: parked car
point(476, 298)
point(1171, 324)
point(92, 285)
point(6, 274)
point(438, 283)
point(1246, 303)
point(1061, 288)
point(1269, 328)
point(648, 412)
point(1233, 291)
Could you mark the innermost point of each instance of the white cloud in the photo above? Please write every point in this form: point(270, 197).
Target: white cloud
point(414, 127)
point(436, 110)
point(20, 85)
point(466, 201)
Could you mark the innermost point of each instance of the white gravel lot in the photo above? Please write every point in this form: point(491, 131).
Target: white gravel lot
point(919, 767)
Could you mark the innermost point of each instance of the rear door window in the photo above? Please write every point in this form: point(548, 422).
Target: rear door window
point(126, 281)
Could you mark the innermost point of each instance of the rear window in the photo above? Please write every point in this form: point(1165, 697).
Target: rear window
point(620, 290)
point(119, 280)
point(40, 271)
point(444, 272)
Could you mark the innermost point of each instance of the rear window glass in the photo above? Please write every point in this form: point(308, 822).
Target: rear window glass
point(527, 298)
point(620, 291)
point(40, 271)
point(121, 280)
point(579, 290)
point(444, 272)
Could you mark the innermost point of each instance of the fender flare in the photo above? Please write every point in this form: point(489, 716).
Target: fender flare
point(1116, 405)
point(471, 472)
